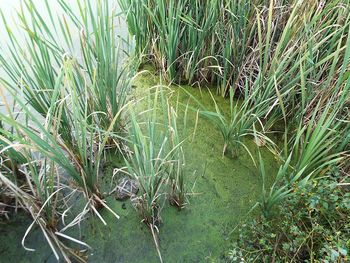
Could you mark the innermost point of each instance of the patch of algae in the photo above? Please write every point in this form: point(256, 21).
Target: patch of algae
point(224, 190)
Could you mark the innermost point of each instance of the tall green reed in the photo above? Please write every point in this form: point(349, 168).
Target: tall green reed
point(240, 122)
point(259, 46)
point(156, 160)
point(32, 183)
point(34, 66)
point(314, 151)
point(69, 108)
point(103, 59)
point(178, 179)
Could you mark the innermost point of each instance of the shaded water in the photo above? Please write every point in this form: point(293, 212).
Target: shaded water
point(224, 190)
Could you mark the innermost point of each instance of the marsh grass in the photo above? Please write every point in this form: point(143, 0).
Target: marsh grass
point(31, 182)
point(283, 53)
point(156, 160)
point(275, 61)
point(156, 155)
point(35, 66)
point(241, 121)
point(68, 110)
point(314, 151)
point(148, 166)
point(178, 178)
point(103, 60)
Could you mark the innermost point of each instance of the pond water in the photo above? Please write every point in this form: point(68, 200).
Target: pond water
point(224, 190)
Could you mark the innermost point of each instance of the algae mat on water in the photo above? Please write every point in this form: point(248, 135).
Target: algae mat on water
point(224, 190)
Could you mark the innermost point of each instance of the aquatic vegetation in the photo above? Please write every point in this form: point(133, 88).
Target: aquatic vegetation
point(177, 174)
point(180, 36)
point(231, 43)
point(40, 202)
point(10, 162)
point(240, 122)
point(156, 161)
point(315, 143)
point(31, 182)
point(82, 164)
point(80, 101)
point(312, 155)
point(35, 68)
point(281, 66)
point(103, 63)
point(148, 166)
point(65, 114)
point(10, 158)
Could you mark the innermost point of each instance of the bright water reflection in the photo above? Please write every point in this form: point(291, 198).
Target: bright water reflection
point(9, 9)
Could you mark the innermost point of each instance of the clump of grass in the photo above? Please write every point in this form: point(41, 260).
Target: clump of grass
point(156, 161)
point(147, 165)
point(103, 62)
point(313, 153)
point(68, 110)
point(31, 182)
point(82, 163)
point(10, 162)
point(79, 99)
point(35, 67)
point(43, 210)
point(238, 123)
point(276, 50)
point(177, 174)
point(190, 41)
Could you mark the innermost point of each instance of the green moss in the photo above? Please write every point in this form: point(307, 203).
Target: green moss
point(224, 190)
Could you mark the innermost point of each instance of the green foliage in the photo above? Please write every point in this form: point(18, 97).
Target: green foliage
point(156, 159)
point(240, 122)
point(234, 42)
point(67, 110)
point(311, 225)
point(284, 60)
point(178, 179)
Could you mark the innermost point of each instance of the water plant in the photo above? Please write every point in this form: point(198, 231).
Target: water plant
point(35, 66)
point(30, 181)
point(282, 66)
point(177, 174)
point(103, 59)
point(314, 152)
point(156, 160)
point(77, 112)
point(230, 39)
point(239, 122)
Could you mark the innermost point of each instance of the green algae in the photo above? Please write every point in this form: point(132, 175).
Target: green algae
point(223, 192)
point(11, 234)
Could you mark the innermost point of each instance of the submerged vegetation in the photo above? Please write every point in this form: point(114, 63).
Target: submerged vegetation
point(282, 67)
